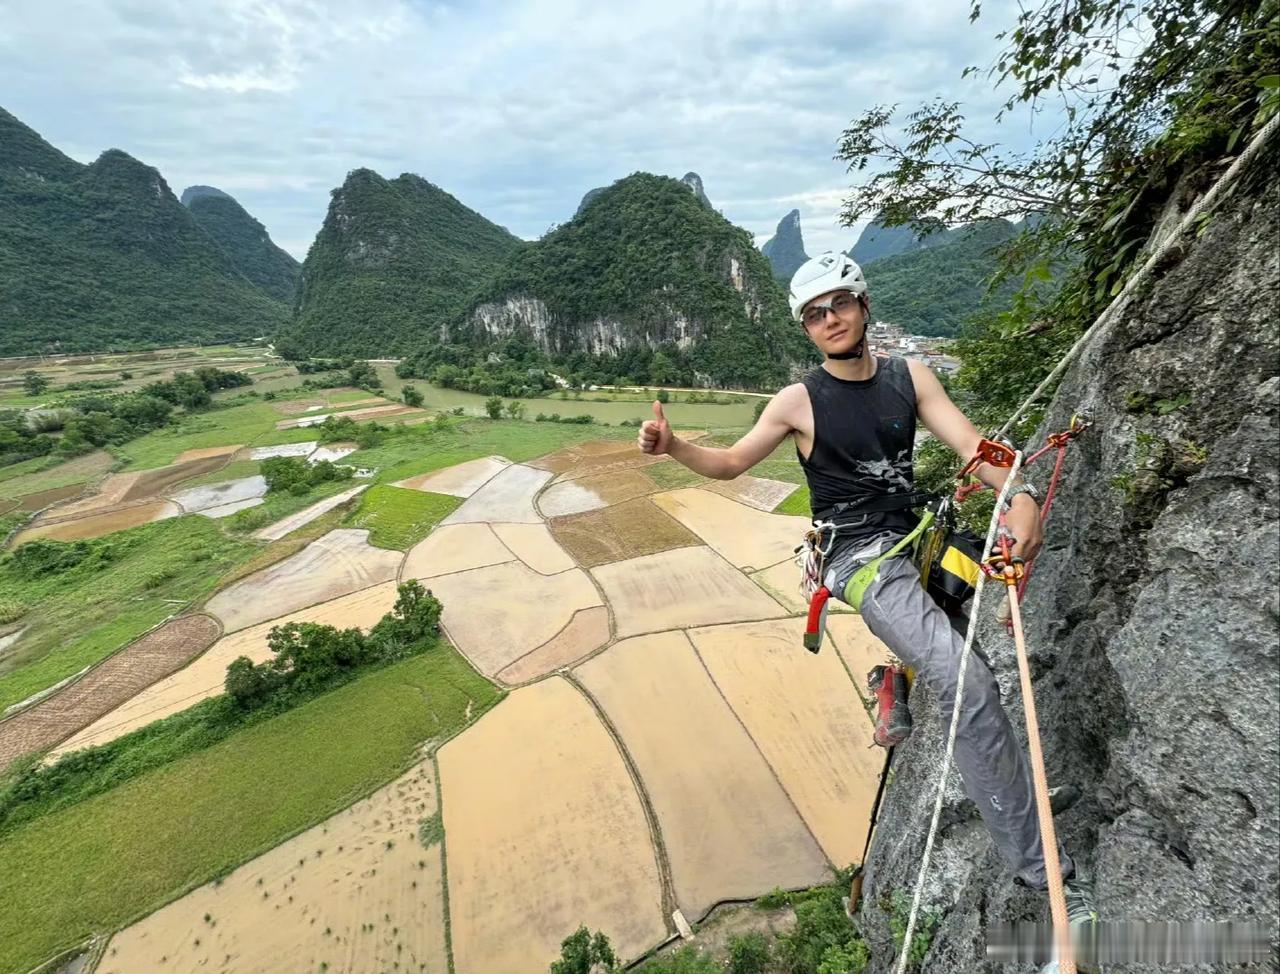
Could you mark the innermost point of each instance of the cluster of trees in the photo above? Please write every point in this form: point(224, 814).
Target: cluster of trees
point(557, 418)
point(88, 422)
point(308, 657)
point(515, 367)
point(297, 476)
point(344, 429)
point(330, 371)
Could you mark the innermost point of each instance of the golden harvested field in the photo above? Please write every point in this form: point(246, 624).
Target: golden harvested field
point(204, 677)
point(619, 532)
point(113, 681)
point(358, 893)
point(507, 497)
point(675, 589)
point(757, 492)
point(594, 492)
point(748, 538)
point(585, 633)
point(859, 649)
point(454, 548)
point(201, 453)
point(534, 545)
point(803, 714)
point(495, 615)
point(544, 831)
point(730, 830)
point(339, 563)
point(460, 480)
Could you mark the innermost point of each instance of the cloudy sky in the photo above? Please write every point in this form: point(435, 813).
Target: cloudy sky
point(517, 108)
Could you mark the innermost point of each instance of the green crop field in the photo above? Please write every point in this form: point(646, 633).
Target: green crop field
point(131, 581)
point(252, 423)
point(420, 449)
point(399, 518)
point(116, 857)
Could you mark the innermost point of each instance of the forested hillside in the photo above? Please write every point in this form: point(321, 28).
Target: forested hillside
point(394, 262)
point(246, 242)
point(645, 270)
point(878, 241)
point(931, 291)
point(104, 257)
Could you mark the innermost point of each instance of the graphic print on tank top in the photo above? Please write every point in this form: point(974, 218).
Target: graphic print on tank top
point(863, 437)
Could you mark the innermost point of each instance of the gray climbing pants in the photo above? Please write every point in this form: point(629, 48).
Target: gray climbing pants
point(995, 772)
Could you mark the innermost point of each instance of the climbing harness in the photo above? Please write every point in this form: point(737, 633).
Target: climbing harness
point(811, 555)
point(1066, 960)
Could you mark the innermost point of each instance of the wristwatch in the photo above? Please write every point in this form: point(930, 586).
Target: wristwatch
point(1023, 488)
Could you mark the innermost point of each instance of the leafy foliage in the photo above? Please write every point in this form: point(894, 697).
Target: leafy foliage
point(1153, 95)
point(584, 953)
point(104, 257)
point(246, 242)
point(395, 260)
point(310, 657)
point(295, 475)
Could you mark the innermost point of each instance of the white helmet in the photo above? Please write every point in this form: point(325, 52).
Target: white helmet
point(831, 271)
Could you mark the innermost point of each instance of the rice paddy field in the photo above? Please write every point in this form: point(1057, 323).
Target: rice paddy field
point(616, 725)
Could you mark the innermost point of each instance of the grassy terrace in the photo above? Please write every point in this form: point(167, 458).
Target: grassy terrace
point(117, 856)
point(398, 518)
point(131, 581)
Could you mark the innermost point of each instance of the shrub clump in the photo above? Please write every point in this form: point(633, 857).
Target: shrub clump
point(296, 476)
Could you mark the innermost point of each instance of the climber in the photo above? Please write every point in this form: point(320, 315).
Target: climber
point(853, 421)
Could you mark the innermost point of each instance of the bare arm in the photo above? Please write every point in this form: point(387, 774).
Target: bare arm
point(771, 428)
point(945, 421)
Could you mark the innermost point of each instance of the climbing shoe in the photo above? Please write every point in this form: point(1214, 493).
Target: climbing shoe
point(893, 718)
point(1078, 893)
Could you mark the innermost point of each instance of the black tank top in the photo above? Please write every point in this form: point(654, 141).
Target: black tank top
point(863, 438)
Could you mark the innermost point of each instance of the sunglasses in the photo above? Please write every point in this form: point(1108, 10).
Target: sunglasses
point(816, 312)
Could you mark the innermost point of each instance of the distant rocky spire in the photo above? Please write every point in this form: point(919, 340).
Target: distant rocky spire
point(785, 249)
point(694, 182)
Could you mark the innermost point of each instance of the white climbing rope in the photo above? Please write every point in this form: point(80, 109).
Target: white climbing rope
point(1201, 205)
point(955, 712)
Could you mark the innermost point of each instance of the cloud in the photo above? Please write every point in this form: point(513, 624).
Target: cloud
point(516, 108)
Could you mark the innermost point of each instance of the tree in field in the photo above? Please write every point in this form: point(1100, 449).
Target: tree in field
point(411, 396)
point(493, 406)
point(33, 383)
point(582, 953)
point(662, 396)
point(515, 409)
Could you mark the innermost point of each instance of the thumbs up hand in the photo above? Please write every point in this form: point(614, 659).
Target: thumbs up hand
point(655, 434)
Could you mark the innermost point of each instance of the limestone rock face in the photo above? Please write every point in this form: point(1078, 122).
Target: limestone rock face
point(785, 249)
point(1151, 621)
